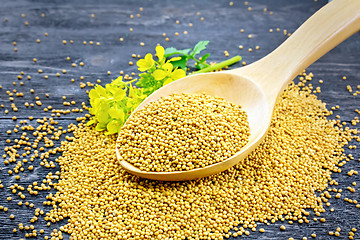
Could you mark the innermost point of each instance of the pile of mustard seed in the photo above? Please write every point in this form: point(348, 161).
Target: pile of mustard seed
point(278, 181)
point(182, 132)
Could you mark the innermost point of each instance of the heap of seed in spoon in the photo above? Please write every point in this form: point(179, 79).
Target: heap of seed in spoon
point(278, 181)
point(182, 132)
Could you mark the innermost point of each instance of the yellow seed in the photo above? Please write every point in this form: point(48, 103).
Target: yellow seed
point(237, 188)
point(195, 159)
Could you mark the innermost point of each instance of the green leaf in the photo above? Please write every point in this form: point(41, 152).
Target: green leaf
point(173, 51)
point(200, 66)
point(199, 47)
point(204, 57)
point(181, 63)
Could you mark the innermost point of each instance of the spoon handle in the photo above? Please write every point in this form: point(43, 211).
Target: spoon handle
point(324, 30)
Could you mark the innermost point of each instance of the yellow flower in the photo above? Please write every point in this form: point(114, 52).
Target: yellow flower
point(168, 67)
point(177, 74)
point(160, 51)
point(174, 59)
point(146, 63)
point(159, 74)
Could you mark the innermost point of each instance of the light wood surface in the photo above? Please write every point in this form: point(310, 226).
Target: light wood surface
point(257, 86)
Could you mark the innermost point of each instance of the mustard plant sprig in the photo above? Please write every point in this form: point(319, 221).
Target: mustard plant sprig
point(112, 105)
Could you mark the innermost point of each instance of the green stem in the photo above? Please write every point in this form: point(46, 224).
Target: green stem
point(220, 65)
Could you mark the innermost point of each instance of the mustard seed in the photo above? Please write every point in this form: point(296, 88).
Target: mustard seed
point(88, 165)
point(200, 110)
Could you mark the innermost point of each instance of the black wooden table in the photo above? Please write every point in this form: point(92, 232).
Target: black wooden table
point(39, 28)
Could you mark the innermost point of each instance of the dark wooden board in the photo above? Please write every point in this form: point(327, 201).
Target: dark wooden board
point(71, 20)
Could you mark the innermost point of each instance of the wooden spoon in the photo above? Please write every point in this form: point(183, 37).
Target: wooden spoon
point(257, 86)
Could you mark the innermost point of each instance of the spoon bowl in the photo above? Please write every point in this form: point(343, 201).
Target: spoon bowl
point(221, 84)
point(257, 86)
